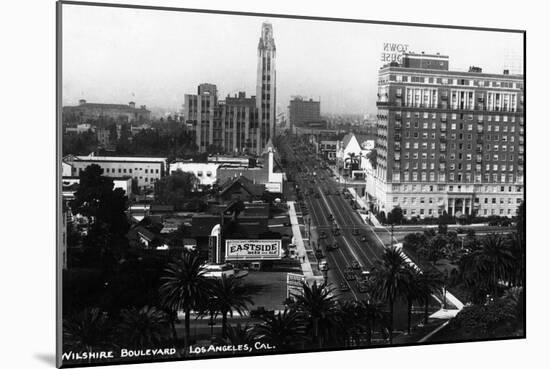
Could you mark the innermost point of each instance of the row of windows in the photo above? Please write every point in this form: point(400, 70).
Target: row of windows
point(453, 81)
point(421, 211)
point(459, 177)
point(453, 188)
point(456, 116)
point(432, 200)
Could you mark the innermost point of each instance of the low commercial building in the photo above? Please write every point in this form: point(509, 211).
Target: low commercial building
point(268, 174)
point(70, 185)
point(206, 173)
point(145, 171)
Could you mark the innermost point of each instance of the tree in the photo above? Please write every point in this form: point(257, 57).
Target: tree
point(433, 249)
point(411, 292)
point(230, 295)
point(175, 189)
point(372, 156)
point(483, 269)
point(142, 328)
point(319, 306)
point(389, 278)
point(240, 335)
point(495, 319)
point(428, 282)
point(105, 206)
point(395, 216)
point(185, 287)
point(88, 330)
point(284, 330)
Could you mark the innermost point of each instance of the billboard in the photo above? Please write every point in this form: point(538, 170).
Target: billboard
point(294, 284)
point(236, 250)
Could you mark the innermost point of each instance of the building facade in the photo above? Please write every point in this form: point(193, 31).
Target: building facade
point(238, 124)
point(266, 88)
point(301, 112)
point(85, 111)
point(448, 141)
point(144, 170)
point(206, 173)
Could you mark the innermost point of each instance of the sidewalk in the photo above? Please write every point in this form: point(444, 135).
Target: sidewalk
point(305, 263)
point(363, 205)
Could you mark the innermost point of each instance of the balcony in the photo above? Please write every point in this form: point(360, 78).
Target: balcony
point(397, 148)
point(444, 97)
point(444, 119)
point(442, 139)
point(383, 103)
point(397, 127)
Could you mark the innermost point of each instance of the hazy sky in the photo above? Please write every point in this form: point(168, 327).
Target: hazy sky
point(116, 55)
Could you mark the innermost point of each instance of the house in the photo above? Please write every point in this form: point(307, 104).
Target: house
point(240, 188)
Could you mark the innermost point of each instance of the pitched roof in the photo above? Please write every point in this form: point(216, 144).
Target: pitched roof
point(347, 138)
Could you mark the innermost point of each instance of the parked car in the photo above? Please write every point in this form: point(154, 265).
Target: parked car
point(333, 246)
point(323, 265)
point(355, 265)
point(350, 276)
point(344, 287)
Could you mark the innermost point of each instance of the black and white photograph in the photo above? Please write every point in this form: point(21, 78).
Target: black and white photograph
point(239, 184)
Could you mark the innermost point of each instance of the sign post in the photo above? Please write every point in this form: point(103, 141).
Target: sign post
point(294, 284)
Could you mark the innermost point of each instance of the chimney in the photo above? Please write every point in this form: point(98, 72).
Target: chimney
point(132, 104)
point(506, 72)
point(81, 102)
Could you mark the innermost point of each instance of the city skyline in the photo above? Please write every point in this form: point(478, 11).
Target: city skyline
point(162, 59)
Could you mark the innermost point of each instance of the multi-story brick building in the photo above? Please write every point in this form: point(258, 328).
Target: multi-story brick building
point(86, 111)
point(448, 140)
point(302, 111)
point(239, 123)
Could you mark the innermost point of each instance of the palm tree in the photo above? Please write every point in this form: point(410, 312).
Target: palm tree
point(390, 276)
point(319, 306)
point(411, 292)
point(240, 335)
point(230, 295)
point(428, 283)
point(284, 330)
point(494, 261)
point(351, 320)
point(141, 328)
point(184, 287)
point(372, 316)
point(87, 330)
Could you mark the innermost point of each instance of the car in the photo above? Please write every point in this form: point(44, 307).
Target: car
point(362, 287)
point(350, 276)
point(330, 216)
point(333, 246)
point(344, 287)
point(336, 231)
point(365, 274)
point(355, 264)
point(319, 254)
point(323, 265)
point(323, 234)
